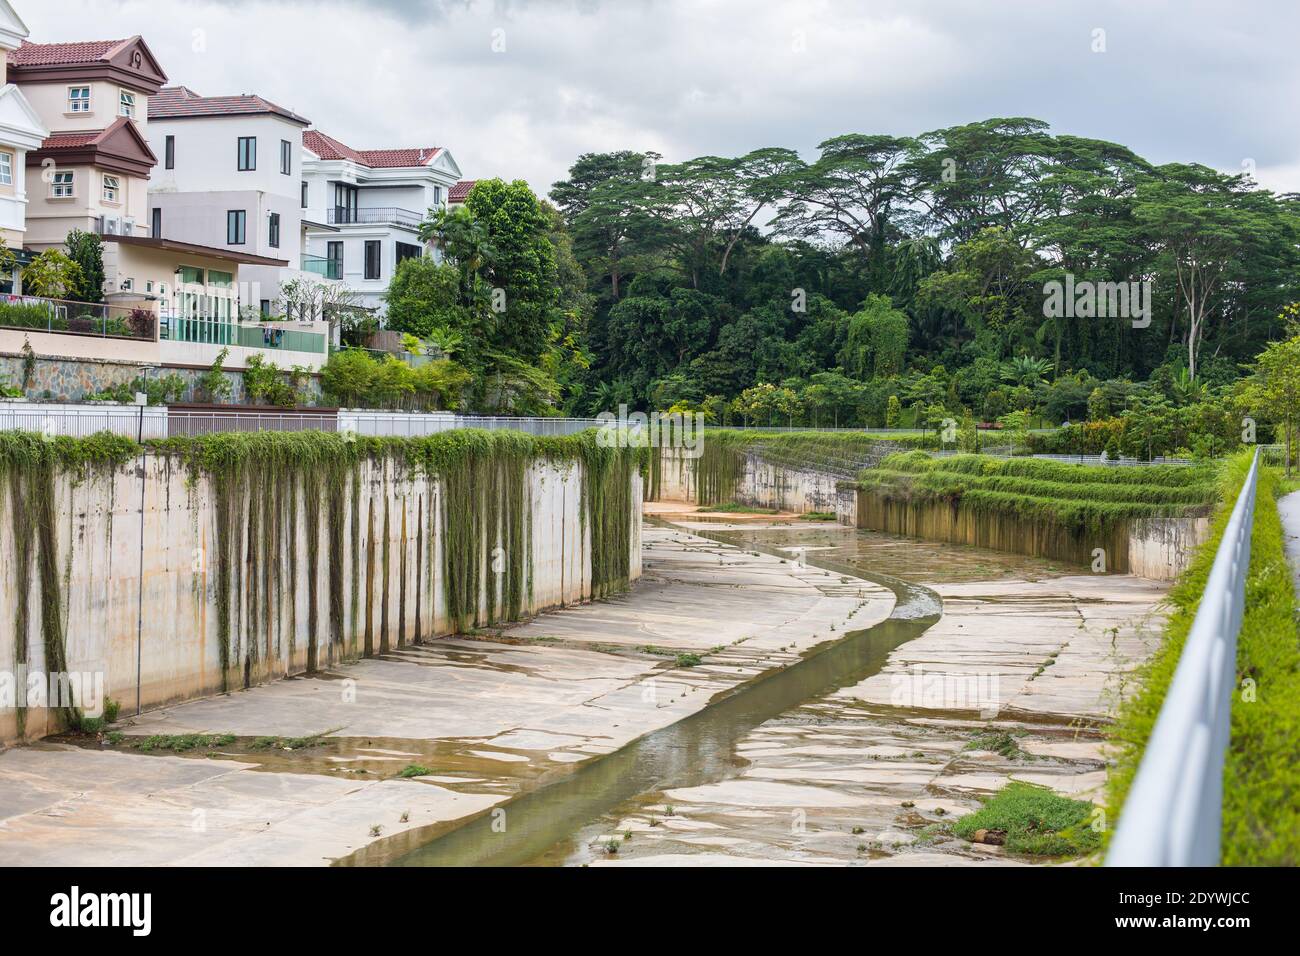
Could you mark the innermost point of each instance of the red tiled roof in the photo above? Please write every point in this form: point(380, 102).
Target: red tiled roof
point(458, 192)
point(181, 101)
point(72, 140)
point(394, 158)
point(327, 147)
point(59, 54)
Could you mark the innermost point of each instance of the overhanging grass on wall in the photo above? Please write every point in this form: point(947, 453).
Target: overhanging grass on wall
point(1076, 497)
point(1261, 814)
point(257, 480)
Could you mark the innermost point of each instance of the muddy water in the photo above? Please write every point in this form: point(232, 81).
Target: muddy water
point(536, 826)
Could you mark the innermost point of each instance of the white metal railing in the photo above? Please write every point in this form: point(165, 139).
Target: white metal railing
point(161, 422)
point(1173, 814)
point(415, 424)
point(78, 421)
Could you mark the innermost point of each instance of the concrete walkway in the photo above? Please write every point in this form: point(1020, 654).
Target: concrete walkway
point(488, 714)
point(1289, 508)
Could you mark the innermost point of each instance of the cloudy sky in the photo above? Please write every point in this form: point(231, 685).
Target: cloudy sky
point(519, 88)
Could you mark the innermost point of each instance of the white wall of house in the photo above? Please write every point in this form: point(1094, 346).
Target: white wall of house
point(205, 183)
point(411, 190)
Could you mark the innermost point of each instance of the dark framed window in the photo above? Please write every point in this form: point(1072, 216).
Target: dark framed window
point(155, 222)
point(373, 253)
point(169, 152)
point(286, 157)
point(266, 306)
point(304, 194)
point(236, 227)
point(247, 153)
point(345, 203)
point(405, 250)
point(273, 232)
point(334, 253)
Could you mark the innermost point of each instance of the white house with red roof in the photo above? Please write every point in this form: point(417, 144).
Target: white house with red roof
point(362, 209)
point(230, 175)
point(21, 132)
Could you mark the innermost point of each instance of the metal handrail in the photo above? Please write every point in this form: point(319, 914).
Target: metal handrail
point(1173, 814)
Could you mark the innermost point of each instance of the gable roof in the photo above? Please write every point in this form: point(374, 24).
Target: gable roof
point(181, 102)
point(128, 62)
point(120, 148)
point(327, 147)
point(461, 190)
point(12, 29)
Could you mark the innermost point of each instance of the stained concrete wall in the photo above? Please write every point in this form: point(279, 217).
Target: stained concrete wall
point(763, 485)
point(1155, 548)
point(138, 578)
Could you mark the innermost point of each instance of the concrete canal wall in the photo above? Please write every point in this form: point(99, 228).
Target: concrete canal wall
point(761, 484)
point(166, 584)
point(1155, 548)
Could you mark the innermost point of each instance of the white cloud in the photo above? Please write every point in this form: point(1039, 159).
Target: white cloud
point(1194, 81)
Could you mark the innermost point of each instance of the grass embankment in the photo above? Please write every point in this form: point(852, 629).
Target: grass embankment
point(1261, 782)
point(1074, 496)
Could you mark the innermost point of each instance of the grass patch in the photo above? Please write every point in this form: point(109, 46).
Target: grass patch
point(736, 508)
point(183, 743)
point(998, 742)
point(414, 770)
point(689, 660)
point(290, 743)
point(1261, 815)
point(1035, 821)
point(819, 516)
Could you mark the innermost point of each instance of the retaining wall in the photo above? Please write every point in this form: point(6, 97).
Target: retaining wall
point(310, 579)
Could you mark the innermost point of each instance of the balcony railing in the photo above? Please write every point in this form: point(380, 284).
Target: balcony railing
point(328, 268)
point(380, 215)
point(216, 331)
point(83, 318)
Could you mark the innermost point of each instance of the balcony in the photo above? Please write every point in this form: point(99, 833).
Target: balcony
point(76, 318)
point(377, 216)
point(217, 331)
point(319, 265)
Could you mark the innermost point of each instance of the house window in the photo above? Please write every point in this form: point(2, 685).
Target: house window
point(236, 222)
point(148, 285)
point(126, 104)
point(437, 195)
point(78, 99)
point(273, 234)
point(6, 169)
point(304, 194)
point(372, 258)
point(112, 189)
point(334, 253)
point(169, 152)
point(405, 250)
point(61, 186)
point(286, 157)
point(221, 280)
point(266, 306)
point(345, 203)
point(155, 222)
point(247, 153)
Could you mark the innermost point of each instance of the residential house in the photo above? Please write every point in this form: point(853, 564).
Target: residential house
point(364, 207)
point(21, 131)
point(231, 176)
point(167, 301)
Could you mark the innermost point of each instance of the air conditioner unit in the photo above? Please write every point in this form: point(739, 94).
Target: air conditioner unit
point(112, 226)
point(128, 227)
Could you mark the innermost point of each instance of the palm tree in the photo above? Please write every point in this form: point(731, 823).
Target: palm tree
point(1026, 371)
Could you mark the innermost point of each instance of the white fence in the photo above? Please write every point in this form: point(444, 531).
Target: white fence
point(142, 422)
point(49, 418)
